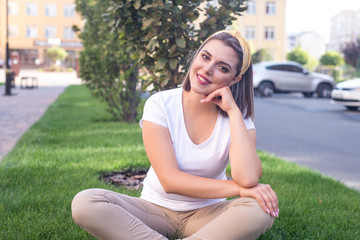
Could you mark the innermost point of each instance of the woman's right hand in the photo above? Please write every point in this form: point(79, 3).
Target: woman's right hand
point(266, 197)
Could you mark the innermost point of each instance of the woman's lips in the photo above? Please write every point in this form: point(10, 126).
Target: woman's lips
point(203, 80)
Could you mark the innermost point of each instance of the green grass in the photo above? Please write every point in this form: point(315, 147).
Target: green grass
point(75, 141)
point(1, 83)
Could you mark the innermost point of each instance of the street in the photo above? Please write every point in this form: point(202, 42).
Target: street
point(311, 132)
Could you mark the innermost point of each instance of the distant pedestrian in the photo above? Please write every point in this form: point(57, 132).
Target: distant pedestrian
point(190, 135)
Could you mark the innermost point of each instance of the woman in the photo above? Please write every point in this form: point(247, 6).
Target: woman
point(189, 134)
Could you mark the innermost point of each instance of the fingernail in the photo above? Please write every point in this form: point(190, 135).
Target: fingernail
point(267, 210)
point(273, 213)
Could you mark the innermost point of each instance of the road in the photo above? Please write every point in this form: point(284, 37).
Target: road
point(311, 132)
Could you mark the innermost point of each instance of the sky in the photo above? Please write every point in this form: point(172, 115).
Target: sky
point(315, 15)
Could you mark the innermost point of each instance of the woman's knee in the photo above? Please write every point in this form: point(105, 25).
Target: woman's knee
point(255, 213)
point(81, 205)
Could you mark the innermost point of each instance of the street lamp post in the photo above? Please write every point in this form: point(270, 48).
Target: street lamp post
point(7, 64)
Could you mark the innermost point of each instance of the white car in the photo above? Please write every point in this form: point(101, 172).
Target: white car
point(347, 93)
point(284, 77)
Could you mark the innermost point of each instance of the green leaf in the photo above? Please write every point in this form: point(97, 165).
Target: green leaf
point(164, 82)
point(152, 44)
point(181, 42)
point(173, 63)
point(161, 63)
point(134, 56)
point(147, 23)
point(233, 4)
point(137, 4)
point(146, 7)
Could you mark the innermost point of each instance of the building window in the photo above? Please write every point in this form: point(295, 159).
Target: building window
point(50, 32)
point(50, 10)
point(31, 32)
point(250, 32)
point(269, 33)
point(31, 9)
point(13, 31)
point(69, 10)
point(13, 8)
point(27, 56)
point(251, 10)
point(270, 8)
point(69, 33)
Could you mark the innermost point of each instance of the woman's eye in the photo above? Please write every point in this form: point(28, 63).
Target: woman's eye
point(205, 57)
point(223, 69)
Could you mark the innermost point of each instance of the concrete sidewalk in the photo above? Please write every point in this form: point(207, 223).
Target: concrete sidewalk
point(21, 110)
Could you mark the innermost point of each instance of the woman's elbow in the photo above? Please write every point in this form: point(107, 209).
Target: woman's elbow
point(168, 186)
point(248, 181)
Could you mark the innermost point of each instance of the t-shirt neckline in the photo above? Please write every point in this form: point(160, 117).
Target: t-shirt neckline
point(204, 143)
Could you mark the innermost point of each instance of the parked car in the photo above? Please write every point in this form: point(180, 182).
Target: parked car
point(285, 77)
point(347, 93)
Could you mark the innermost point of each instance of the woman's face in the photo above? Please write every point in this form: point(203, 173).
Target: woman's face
point(214, 67)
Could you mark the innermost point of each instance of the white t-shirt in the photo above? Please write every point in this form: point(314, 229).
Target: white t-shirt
point(208, 159)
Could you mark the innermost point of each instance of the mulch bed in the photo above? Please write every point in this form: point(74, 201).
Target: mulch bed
point(128, 178)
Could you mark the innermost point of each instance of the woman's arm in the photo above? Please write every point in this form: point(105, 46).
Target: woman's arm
point(245, 164)
point(160, 151)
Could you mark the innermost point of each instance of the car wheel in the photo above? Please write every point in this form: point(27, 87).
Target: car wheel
point(352, 108)
point(308, 94)
point(266, 89)
point(324, 90)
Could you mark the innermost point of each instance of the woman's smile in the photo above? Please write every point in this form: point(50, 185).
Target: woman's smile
point(202, 79)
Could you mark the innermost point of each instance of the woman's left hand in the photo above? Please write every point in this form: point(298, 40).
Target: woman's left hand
point(221, 97)
point(265, 195)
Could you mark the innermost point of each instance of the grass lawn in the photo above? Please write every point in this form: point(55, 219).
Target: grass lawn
point(75, 141)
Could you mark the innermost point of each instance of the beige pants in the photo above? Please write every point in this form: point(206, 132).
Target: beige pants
point(110, 215)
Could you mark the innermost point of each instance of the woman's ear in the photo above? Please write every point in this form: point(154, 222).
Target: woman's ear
point(235, 80)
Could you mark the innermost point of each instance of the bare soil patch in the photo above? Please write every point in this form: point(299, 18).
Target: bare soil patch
point(129, 178)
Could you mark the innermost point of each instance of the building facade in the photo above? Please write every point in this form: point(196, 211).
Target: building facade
point(36, 25)
point(312, 42)
point(344, 28)
point(263, 25)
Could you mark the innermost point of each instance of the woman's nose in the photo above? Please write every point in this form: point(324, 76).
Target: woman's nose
point(208, 68)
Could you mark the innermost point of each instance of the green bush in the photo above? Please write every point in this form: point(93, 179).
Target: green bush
point(261, 55)
point(56, 53)
point(298, 55)
point(331, 58)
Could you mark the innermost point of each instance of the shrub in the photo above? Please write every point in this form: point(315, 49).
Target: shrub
point(298, 55)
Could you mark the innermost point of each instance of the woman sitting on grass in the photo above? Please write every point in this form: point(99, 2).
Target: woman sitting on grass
point(189, 134)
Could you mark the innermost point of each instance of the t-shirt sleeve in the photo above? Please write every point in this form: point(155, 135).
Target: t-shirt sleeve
point(154, 111)
point(249, 123)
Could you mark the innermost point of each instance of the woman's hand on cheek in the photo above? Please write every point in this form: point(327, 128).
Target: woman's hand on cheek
point(221, 97)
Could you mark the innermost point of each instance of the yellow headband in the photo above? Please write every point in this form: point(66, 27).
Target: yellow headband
point(246, 61)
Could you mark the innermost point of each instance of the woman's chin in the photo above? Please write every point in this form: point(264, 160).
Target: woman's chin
point(200, 90)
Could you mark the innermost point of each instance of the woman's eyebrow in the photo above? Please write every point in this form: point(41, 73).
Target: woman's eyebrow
point(204, 50)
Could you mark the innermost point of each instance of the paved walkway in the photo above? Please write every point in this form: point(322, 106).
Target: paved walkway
point(21, 110)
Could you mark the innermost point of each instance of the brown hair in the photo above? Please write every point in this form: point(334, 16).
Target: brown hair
point(242, 91)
